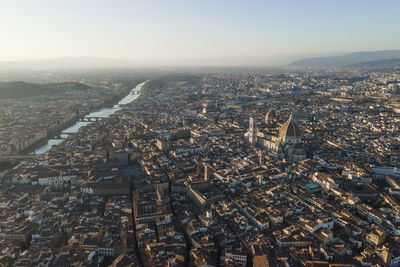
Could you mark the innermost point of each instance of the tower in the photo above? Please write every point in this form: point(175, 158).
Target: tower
point(253, 130)
point(260, 159)
point(207, 172)
point(198, 165)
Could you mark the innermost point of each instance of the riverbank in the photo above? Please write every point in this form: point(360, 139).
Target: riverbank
point(58, 131)
point(98, 113)
point(75, 123)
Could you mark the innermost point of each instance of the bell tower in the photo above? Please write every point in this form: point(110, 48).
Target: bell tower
point(253, 130)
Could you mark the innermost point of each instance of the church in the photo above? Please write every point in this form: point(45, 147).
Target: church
point(284, 140)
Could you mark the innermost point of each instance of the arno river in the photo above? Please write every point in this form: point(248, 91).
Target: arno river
point(102, 113)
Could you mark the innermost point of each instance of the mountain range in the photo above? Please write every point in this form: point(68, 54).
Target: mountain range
point(386, 57)
point(383, 58)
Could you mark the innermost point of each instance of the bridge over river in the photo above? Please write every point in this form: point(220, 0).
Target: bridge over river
point(90, 118)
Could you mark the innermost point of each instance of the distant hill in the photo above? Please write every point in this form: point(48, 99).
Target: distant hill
point(377, 64)
point(23, 89)
point(96, 63)
point(347, 59)
point(67, 63)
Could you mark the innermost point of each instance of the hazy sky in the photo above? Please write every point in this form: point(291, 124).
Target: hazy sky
point(164, 29)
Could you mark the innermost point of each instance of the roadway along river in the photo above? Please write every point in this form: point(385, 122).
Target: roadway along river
point(102, 113)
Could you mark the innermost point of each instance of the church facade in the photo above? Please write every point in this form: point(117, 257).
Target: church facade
point(285, 140)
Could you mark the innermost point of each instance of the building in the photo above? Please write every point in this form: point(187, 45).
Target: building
point(376, 237)
point(107, 184)
point(150, 206)
point(285, 140)
point(237, 253)
point(163, 144)
point(203, 193)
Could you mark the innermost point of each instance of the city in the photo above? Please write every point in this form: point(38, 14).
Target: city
point(221, 169)
point(205, 133)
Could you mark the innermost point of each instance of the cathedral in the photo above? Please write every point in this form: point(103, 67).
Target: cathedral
point(284, 140)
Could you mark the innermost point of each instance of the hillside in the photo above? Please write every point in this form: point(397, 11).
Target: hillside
point(377, 64)
point(23, 89)
point(67, 63)
point(348, 59)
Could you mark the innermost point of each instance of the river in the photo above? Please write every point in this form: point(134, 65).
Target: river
point(102, 113)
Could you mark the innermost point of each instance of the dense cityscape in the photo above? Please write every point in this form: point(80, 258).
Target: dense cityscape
point(205, 133)
point(26, 120)
point(235, 167)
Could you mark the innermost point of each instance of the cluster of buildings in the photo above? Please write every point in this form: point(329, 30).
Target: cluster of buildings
point(27, 120)
point(48, 219)
point(224, 169)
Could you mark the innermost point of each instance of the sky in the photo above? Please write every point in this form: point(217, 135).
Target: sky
point(194, 29)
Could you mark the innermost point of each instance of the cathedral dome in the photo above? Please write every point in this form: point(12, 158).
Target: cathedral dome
point(271, 116)
point(289, 129)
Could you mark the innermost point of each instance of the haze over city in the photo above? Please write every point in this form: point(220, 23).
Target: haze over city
point(198, 32)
